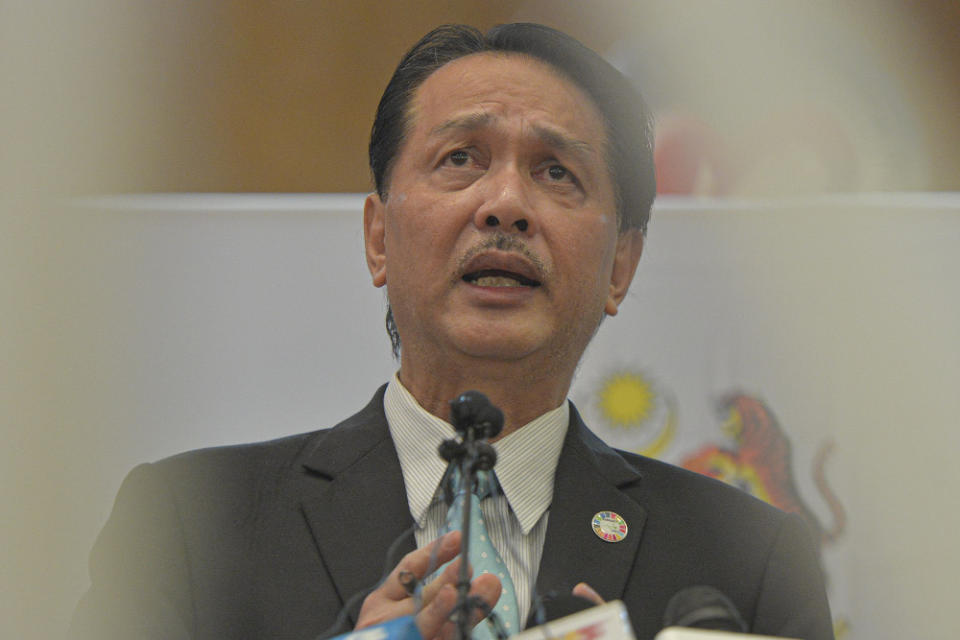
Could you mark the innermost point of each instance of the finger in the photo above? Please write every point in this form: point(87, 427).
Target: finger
point(585, 591)
point(488, 587)
point(434, 617)
point(392, 599)
point(419, 562)
point(434, 621)
point(450, 575)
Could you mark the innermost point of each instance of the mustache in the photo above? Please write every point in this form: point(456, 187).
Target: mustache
point(505, 242)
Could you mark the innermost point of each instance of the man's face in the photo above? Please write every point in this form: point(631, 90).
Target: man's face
point(498, 238)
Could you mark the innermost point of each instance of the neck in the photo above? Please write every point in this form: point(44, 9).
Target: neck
point(521, 394)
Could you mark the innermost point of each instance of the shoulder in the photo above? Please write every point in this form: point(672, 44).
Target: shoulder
point(234, 462)
point(663, 477)
point(698, 530)
point(704, 506)
point(686, 510)
point(248, 480)
point(236, 466)
point(670, 492)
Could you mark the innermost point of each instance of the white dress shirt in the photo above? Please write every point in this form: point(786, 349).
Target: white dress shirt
point(526, 461)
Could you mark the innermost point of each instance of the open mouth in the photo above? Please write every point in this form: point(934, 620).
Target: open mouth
point(499, 278)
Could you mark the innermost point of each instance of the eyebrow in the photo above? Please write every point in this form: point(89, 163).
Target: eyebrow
point(563, 142)
point(469, 122)
point(551, 137)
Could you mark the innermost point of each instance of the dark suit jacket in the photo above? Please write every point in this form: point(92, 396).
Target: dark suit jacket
point(270, 540)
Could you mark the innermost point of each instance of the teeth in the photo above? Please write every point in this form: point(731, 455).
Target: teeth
point(496, 281)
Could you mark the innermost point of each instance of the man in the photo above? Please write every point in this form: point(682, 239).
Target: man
point(513, 183)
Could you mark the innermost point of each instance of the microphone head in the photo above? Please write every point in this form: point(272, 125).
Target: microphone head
point(465, 407)
point(703, 607)
point(486, 456)
point(472, 409)
point(490, 421)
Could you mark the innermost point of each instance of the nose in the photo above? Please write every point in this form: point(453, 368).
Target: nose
point(506, 203)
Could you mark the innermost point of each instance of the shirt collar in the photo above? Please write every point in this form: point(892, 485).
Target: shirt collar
point(526, 458)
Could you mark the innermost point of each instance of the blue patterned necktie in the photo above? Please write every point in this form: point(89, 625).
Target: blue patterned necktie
point(484, 558)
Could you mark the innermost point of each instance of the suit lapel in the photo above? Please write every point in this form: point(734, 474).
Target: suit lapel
point(359, 506)
point(356, 507)
point(591, 477)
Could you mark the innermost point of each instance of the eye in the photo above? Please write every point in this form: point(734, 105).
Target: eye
point(558, 179)
point(558, 172)
point(459, 166)
point(458, 158)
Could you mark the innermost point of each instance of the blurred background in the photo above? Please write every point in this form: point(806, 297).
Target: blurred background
point(841, 118)
point(247, 96)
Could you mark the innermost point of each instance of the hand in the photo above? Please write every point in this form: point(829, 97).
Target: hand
point(391, 600)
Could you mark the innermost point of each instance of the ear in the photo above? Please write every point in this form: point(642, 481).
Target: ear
point(374, 232)
point(629, 248)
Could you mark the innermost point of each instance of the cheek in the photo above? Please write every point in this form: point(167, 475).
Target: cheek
point(426, 222)
point(416, 243)
point(593, 257)
point(418, 239)
point(595, 275)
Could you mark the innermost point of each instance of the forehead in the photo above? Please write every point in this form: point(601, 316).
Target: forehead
point(505, 88)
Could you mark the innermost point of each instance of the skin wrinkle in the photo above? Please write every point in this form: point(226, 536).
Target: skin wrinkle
point(466, 123)
point(548, 136)
point(580, 157)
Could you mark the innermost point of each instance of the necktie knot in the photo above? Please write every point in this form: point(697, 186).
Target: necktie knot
point(486, 484)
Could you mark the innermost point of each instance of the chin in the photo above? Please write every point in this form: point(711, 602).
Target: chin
point(499, 346)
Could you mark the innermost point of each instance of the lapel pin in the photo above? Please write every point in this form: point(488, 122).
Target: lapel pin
point(609, 526)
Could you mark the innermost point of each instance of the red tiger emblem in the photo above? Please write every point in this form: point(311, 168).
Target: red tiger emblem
point(762, 465)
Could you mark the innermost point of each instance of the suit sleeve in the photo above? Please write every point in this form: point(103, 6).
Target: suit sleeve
point(792, 600)
point(139, 569)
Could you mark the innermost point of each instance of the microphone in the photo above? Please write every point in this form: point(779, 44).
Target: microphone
point(475, 418)
point(703, 607)
point(703, 613)
point(603, 622)
point(472, 410)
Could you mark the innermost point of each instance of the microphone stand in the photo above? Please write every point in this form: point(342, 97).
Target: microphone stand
point(476, 419)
